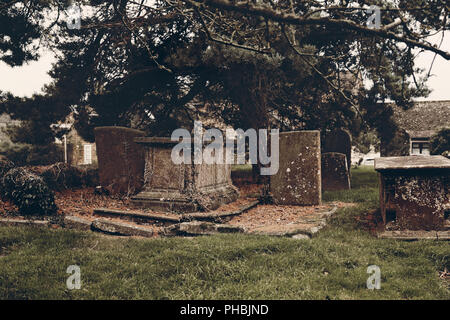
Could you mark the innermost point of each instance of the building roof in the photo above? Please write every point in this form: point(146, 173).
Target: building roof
point(424, 119)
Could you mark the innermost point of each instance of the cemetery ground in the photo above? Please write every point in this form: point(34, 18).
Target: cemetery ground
point(330, 265)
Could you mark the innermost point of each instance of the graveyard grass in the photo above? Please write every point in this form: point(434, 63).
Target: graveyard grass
point(332, 265)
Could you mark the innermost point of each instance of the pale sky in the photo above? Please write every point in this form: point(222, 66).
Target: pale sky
point(31, 77)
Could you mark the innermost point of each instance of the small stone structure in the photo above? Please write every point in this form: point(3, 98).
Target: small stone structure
point(120, 160)
point(181, 187)
point(298, 179)
point(335, 173)
point(340, 141)
point(414, 191)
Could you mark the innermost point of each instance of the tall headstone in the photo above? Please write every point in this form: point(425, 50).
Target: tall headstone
point(121, 161)
point(335, 174)
point(298, 179)
point(340, 141)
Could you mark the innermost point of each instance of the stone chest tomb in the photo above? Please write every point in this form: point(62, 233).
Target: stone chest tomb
point(414, 191)
point(181, 187)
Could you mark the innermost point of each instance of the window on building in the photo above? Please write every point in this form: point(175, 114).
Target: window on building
point(420, 148)
point(87, 154)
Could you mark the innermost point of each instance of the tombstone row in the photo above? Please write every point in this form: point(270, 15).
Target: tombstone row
point(131, 163)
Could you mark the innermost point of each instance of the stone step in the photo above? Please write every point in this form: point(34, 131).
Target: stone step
point(200, 228)
point(135, 216)
point(218, 216)
point(120, 228)
point(23, 222)
point(408, 235)
point(168, 219)
point(73, 222)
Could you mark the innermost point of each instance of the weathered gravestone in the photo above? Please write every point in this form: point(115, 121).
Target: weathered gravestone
point(414, 191)
point(338, 141)
point(120, 160)
point(298, 179)
point(185, 187)
point(335, 174)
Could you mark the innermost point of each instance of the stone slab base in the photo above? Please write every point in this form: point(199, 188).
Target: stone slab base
point(182, 203)
point(199, 228)
point(22, 222)
point(73, 222)
point(138, 217)
point(408, 235)
point(120, 228)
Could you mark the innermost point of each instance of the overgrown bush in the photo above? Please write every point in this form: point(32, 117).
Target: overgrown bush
point(440, 143)
point(28, 192)
point(60, 176)
point(90, 176)
point(26, 154)
point(5, 166)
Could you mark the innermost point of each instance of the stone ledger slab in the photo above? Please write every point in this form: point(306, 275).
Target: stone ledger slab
point(298, 181)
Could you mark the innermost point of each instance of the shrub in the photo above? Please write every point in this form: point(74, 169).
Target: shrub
point(60, 176)
point(90, 176)
point(28, 192)
point(440, 142)
point(5, 166)
point(26, 154)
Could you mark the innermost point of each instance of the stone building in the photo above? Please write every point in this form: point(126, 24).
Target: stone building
point(79, 151)
point(5, 121)
point(416, 127)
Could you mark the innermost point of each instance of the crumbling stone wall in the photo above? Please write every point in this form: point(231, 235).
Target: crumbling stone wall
point(335, 174)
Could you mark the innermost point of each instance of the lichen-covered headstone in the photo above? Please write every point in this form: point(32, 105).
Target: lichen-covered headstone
point(335, 174)
point(339, 141)
point(121, 161)
point(298, 179)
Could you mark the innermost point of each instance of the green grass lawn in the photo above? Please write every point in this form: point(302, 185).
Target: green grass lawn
point(333, 265)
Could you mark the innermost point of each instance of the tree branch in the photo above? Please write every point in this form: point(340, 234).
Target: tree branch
point(294, 19)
